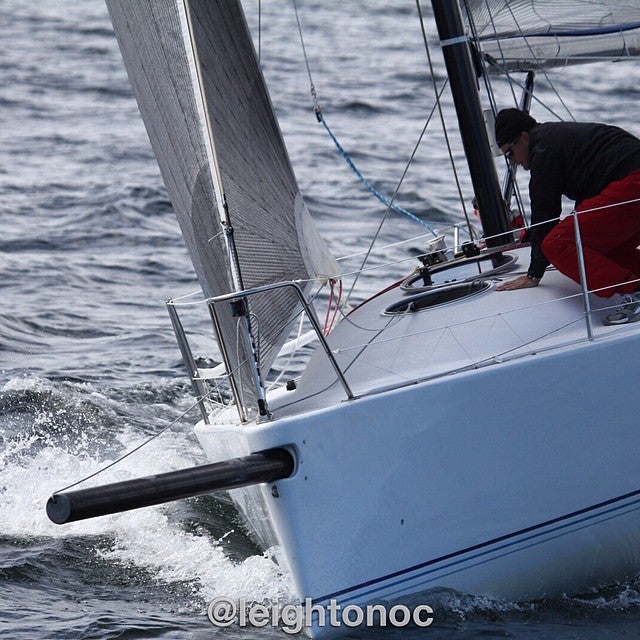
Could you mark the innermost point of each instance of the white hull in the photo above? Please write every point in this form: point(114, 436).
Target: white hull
point(454, 438)
point(515, 480)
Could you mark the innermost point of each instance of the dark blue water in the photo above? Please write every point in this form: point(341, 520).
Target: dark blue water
point(89, 251)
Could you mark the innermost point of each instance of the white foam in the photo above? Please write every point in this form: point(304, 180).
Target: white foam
point(146, 538)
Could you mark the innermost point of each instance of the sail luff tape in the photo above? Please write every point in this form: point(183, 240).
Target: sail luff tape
point(456, 40)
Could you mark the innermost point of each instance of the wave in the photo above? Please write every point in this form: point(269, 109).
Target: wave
point(65, 436)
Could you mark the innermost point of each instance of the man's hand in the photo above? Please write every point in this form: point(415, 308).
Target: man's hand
point(521, 282)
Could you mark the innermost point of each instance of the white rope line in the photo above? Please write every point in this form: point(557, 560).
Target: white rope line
point(380, 266)
point(177, 302)
point(285, 367)
point(608, 206)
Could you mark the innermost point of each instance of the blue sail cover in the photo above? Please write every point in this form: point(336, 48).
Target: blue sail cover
point(522, 35)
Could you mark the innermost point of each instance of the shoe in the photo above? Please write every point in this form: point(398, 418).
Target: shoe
point(629, 311)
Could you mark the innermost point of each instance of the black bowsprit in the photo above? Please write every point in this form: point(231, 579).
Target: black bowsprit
point(265, 466)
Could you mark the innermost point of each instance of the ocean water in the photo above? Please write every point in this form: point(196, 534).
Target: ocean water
point(89, 252)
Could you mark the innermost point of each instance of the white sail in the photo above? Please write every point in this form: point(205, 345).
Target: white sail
point(521, 35)
point(206, 108)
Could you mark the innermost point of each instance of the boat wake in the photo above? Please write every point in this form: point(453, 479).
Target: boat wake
point(49, 439)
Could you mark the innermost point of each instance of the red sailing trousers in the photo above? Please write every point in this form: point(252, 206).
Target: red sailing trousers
point(610, 238)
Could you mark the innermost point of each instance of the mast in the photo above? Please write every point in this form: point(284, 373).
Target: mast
point(462, 78)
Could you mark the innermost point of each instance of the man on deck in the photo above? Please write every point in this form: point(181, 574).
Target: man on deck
point(597, 166)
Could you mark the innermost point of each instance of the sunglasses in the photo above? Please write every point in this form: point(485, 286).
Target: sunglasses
point(508, 154)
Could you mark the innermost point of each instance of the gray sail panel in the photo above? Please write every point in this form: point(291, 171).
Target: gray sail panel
point(192, 74)
point(151, 36)
point(519, 35)
point(268, 216)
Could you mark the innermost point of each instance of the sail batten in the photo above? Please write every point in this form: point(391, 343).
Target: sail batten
point(524, 35)
point(211, 124)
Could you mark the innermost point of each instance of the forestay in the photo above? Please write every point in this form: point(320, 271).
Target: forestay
point(206, 108)
point(534, 34)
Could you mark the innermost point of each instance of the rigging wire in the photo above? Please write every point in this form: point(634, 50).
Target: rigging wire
point(389, 202)
point(442, 120)
point(498, 42)
point(544, 71)
point(259, 31)
point(485, 76)
point(510, 171)
point(132, 451)
point(286, 367)
point(386, 213)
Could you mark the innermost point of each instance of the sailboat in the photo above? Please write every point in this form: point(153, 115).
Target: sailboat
point(442, 434)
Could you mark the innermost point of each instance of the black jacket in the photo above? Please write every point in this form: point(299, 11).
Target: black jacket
point(577, 160)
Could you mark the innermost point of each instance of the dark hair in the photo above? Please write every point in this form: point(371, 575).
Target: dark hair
point(510, 123)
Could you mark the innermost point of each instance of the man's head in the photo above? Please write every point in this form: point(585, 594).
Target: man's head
point(510, 123)
point(512, 135)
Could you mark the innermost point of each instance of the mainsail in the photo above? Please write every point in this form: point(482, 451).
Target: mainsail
point(204, 103)
point(521, 35)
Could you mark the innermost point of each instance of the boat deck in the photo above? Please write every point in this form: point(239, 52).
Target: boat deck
point(378, 350)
